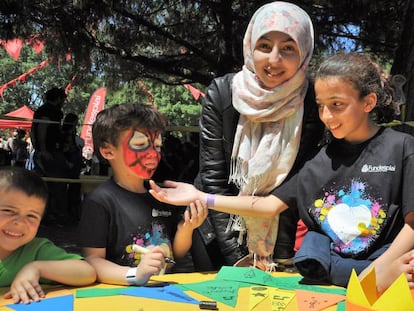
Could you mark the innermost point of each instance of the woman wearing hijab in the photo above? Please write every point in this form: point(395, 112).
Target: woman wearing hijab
point(255, 127)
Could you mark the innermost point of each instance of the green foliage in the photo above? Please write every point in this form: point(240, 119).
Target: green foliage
point(175, 101)
point(181, 41)
point(169, 43)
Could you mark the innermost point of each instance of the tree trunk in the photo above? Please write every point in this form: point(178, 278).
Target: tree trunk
point(404, 64)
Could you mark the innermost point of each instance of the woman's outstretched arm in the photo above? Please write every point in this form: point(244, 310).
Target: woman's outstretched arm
point(182, 194)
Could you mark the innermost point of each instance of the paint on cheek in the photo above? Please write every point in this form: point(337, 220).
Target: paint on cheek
point(143, 162)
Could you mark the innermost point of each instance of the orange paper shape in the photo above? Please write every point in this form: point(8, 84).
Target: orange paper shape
point(362, 294)
point(314, 301)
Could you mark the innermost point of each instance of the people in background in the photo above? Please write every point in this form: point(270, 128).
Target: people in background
point(19, 149)
point(72, 145)
point(8, 145)
point(49, 160)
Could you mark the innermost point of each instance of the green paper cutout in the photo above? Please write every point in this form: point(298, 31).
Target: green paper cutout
point(341, 306)
point(292, 283)
point(255, 276)
point(246, 275)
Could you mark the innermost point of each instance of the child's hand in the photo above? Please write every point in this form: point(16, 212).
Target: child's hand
point(151, 264)
point(195, 214)
point(25, 287)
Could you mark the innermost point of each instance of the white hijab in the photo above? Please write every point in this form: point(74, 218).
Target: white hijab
point(269, 128)
point(268, 132)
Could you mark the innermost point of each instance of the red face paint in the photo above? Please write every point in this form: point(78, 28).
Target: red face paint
point(142, 152)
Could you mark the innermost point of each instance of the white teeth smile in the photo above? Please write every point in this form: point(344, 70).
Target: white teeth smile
point(273, 73)
point(13, 234)
point(334, 127)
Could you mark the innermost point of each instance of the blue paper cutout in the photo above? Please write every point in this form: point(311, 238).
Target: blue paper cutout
point(61, 303)
point(169, 293)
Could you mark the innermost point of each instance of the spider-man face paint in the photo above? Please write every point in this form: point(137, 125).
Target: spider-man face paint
point(142, 152)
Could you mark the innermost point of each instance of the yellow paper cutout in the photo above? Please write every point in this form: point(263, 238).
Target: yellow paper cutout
point(257, 295)
point(363, 294)
point(279, 299)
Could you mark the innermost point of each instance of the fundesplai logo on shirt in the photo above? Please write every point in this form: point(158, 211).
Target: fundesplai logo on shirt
point(160, 213)
point(368, 168)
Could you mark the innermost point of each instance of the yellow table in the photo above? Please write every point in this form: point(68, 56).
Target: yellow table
point(122, 302)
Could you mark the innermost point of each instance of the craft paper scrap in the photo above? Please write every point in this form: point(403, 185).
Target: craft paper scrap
point(98, 292)
point(62, 303)
point(219, 290)
point(308, 300)
point(51, 291)
point(257, 295)
point(245, 274)
point(341, 306)
point(279, 299)
point(170, 293)
point(292, 283)
point(255, 276)
point(362, 295)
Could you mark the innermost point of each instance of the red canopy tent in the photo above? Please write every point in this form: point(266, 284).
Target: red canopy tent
point(19, 118)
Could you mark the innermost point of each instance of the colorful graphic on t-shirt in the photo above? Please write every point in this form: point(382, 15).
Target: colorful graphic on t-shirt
point(352, 218)
point(148, 240)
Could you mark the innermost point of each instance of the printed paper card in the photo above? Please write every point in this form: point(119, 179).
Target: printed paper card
point(257, 295)
point(316, 301)
point(280, 299)
point(219, 290)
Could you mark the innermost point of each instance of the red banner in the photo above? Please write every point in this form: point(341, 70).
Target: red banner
point(96, 104)
point(194, 91)
point(13, 47)
point(22, 77)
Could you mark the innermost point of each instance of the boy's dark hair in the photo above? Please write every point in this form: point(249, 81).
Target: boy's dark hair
point(111, 121)
point(26, 181)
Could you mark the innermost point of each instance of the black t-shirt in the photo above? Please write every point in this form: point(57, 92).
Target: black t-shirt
point(114, 218)
point(357, 195)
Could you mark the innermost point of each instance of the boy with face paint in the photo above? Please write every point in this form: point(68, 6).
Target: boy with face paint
point(121, 212)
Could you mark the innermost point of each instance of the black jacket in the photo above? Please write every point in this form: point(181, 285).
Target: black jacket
point(218, 124)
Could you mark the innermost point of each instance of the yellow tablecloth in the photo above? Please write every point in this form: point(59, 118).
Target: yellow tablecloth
point(122, 302)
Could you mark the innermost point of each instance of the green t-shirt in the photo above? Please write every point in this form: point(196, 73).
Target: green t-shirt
point(37, 249)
